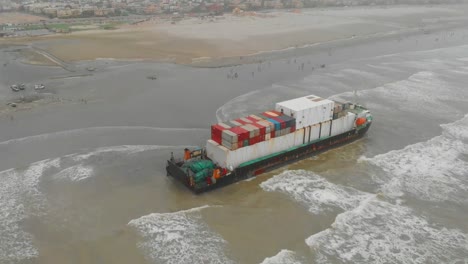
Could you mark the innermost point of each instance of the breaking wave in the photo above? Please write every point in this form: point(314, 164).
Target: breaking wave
point(380, 232)
point(180, 237)
point(19, 198)
point(434, 170)
point(75, 173)
point(314, 191)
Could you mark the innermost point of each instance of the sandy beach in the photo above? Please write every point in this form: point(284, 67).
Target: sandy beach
point(196, 41)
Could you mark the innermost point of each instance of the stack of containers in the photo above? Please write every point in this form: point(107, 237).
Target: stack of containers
point(217, 130)
point(235, 137)
point(252, 129)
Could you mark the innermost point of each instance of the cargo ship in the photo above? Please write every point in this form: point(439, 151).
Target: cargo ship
point(249, 146)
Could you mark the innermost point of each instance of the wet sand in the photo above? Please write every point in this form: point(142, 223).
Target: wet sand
point(230, 37)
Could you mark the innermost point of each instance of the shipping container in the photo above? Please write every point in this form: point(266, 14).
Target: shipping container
point(250, 129)
point(242, 134)
point(234, 123)
point(314, 132)
point(280, 121)
point(267, 125)
point(229, 136)
point(230, 145)
point(217, 130)
point(246, 120)
point(343, 124)
point(290, 121)
point(261, 149)
point(325, 129)
point(254, 117)
point(272, 114)
point(308, 110)
point(240, 121)
point(276, 124)
point(261, 128)
point(299, 137)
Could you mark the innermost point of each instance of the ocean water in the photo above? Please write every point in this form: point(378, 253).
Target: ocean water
point(87, 183)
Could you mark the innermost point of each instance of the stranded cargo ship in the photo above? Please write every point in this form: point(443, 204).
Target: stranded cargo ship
point(254, 144)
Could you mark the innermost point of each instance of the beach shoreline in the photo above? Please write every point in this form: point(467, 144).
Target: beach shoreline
point(245, 39)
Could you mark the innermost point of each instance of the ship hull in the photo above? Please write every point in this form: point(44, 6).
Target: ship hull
point(262, 166)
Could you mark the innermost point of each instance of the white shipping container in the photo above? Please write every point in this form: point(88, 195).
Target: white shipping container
point(299, 137)
point(343, 124)
point(231, 159)
point(338, 126)
point(314, 132)
point(325, 131)
point(217, 153)
point(308, 110)
point(351, 121)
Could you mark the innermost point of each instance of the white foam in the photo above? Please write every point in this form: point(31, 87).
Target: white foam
point(424, 92)
point(380, 232)
point(457, 129)
point(283, 257)
point(75, 173)
point(314, 191)
point(235, 107)
point(431, 170)
point(180, 237)
point(20, 198)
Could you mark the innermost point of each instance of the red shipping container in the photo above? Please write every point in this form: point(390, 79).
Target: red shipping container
point(276, 112)
point(253, 140)
point(272, 134)
point(217, 140)
point(261, 127)
point(242, 122)
point(245, 119)
point(252, 119)
point(241, 133)
point(293, 128)
point(216, 132)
